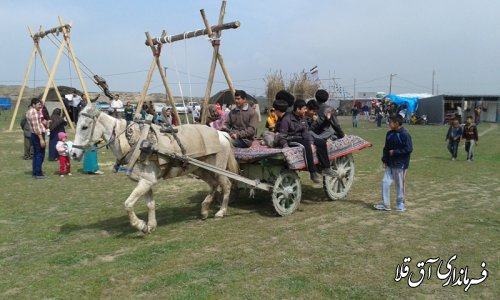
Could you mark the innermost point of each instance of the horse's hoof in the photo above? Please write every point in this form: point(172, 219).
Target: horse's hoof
point(145, 229)
point(219, 214)
point(204, 214)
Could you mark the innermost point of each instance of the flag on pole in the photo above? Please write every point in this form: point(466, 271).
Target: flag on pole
point(313, 74)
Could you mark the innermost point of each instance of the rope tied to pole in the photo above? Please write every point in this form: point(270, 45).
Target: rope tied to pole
point(214, 40)
point(157, 53)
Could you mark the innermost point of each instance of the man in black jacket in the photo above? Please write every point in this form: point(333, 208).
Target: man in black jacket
point(294, 129)
point(325, 125)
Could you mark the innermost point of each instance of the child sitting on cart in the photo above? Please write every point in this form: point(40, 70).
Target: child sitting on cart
point(324, 125)
point(294, 129)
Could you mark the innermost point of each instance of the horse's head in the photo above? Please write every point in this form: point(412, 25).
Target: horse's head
point(88, 131)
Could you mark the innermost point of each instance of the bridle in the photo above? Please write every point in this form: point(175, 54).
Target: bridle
point(94, 118)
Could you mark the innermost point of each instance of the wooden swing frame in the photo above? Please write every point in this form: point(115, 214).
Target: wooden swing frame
point(214, 33)
point(65, 43)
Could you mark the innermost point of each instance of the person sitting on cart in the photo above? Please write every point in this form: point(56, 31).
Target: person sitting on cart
point(280, 108)
point(325, 125)
point(294, 129)
point(287, 97)
point(242, 121)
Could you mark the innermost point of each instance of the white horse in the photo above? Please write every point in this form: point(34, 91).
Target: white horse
point(93, 125)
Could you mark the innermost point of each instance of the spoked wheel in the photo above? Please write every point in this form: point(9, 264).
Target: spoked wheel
point(336, 188)
point(287, 192)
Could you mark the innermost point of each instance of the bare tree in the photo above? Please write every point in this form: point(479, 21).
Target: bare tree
point(274, 83)
point(301, 86)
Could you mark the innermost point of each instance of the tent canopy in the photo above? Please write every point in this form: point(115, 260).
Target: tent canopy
point(226, 97)
point(411, 103)
point(63, 90)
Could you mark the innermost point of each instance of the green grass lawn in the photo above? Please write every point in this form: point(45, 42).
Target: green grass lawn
point(69, 238)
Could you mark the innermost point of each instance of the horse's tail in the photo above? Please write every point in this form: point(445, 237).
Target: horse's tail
point(232, 165)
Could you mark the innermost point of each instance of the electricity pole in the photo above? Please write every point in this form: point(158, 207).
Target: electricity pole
point(433, 74)
point(390, 82)
point(354, 93)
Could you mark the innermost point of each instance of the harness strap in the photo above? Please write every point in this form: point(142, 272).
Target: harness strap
point(94, 118)
point(137, 150)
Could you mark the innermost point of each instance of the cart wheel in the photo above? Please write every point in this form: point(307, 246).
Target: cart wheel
point(287, 192)
point(336, 188)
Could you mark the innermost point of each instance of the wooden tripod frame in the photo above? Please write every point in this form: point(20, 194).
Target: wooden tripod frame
point(214, 33)
point(66, 43)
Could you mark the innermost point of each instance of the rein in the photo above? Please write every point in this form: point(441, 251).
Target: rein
point(113, 134)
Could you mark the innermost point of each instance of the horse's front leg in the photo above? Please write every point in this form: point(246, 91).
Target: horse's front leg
point(205, 205)
point(150, 203)
point(143, 187)
point(225, 185)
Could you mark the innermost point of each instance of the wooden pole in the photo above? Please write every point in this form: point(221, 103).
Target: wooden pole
point(219, 56)
point(73, 56)
point(41, 34)
point(170, 98)
point(52, 72)
point(226, 74)
point(21, 92)
point(192, 34)
point(211, 74)
point(56, 89)
point(145, 89)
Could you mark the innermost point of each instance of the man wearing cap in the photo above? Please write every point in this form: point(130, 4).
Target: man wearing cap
point(280, 108)
point(325, 125)
point(34, 117)
point(241, 122)
point(287, 97)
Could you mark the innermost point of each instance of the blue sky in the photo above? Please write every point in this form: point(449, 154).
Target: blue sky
point(358, 40)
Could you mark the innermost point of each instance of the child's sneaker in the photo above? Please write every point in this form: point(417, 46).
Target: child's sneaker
point(400, 207)
point(62, 175)
point(381, 206)
point(69, 174)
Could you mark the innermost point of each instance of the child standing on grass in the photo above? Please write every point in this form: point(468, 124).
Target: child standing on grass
point(396, 160)
point(62, 150)
point(471, 137)
point(453, 137)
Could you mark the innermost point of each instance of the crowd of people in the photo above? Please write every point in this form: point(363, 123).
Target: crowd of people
point(291, 122)
point(378, 110)
point(37, 126)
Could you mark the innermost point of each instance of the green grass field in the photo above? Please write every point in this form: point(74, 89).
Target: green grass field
point(69, 238)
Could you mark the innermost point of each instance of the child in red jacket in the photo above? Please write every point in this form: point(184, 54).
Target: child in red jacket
point(62, 150)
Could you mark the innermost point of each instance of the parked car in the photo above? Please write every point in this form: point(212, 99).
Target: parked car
point(159, 106)
point(195, 104)
point(181, 109)
point(103, 106)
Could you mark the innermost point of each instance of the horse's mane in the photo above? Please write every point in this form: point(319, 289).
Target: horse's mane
point(90, 109)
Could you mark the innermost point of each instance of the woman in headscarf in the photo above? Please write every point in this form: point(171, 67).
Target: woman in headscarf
point(56, 125)
point(90, 162)
point(166, 117)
